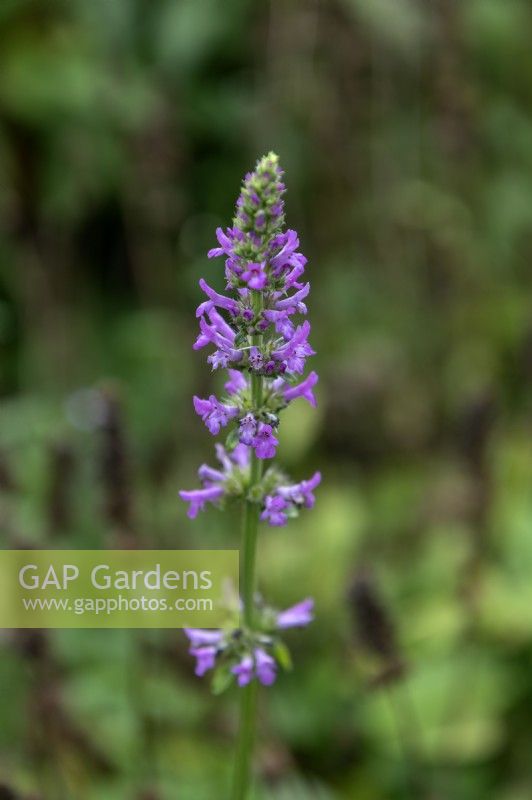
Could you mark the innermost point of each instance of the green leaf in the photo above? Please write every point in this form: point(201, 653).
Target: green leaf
point(222, 679)
point(232, 439)
point(282, 655)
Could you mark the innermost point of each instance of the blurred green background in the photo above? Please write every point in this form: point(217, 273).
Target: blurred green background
point(405, 128)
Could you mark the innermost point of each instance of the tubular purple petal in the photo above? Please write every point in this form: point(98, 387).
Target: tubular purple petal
point(265, 667)
point(236, 382)
point(296, 616)
point(201, 636)
point(217, 299)
point(244, 671)
point(303, 389)
point(293, 300)
point(265, 442)
point(198, 497)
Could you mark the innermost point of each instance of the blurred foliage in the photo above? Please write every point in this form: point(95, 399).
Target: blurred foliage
point(406, 133)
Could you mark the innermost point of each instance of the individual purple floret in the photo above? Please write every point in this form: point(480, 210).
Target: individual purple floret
point(259, 665)
point(297, 616)
point(198, 497)
point(236, 382)
point(293, 353)
point(255, 276)
point(214, 414)
point(244, 670)
point(265, 667)
point(303, 389)
point(247, 429)
point(265, 441)
point(274, 512)
point(204, 646)
point(301, 494)
point(286, 500)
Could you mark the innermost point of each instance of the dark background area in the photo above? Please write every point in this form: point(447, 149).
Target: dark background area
point(405, 129)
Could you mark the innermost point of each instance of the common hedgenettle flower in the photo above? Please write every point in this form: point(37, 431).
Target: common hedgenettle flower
point(247, 654)
point(253, 329)
point(260, 259)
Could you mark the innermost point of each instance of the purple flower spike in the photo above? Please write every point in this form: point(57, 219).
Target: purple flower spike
point(254, 330)
point(259, 258)
point(297, 616)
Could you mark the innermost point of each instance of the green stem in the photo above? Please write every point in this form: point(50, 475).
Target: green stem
point(246, 740)
point(248, 702)
point(249, 546)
